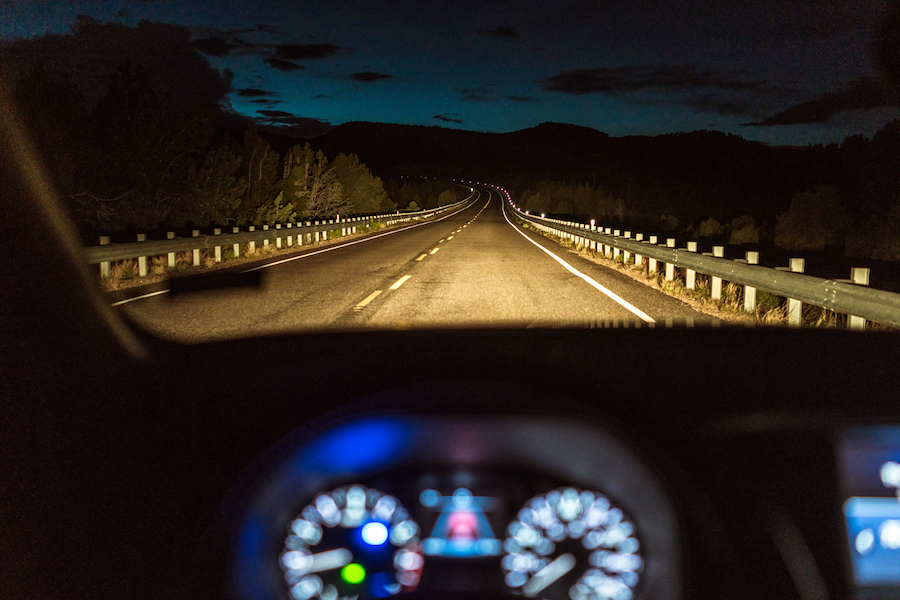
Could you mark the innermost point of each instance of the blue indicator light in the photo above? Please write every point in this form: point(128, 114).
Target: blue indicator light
point(374, 533)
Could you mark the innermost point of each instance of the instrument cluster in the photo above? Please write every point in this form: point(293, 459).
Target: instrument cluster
point(533, 507)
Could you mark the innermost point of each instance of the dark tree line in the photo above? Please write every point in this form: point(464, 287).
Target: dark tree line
point(134, 161)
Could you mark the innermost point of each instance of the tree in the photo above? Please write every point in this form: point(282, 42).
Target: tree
point(259, 165)
point(311, 184)
point(363, 191)
point(213, 193)
point(814, 220)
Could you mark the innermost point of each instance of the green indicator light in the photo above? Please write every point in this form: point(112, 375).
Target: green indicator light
point(353, 573)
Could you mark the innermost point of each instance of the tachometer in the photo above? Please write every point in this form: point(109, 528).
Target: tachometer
point(352, 542)
point(572, 544)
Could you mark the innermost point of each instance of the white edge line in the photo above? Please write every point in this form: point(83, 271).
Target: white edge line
point(603, 290)
point(126, 301)
point(365, 239)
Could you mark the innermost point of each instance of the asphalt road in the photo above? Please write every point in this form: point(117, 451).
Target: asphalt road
point(472, 268)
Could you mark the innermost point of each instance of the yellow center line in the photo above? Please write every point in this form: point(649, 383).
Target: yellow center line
point(449, 238)
point(441, 242)
point(400, 282)
point(434, 251)
point(368, 299)
point(421, 257)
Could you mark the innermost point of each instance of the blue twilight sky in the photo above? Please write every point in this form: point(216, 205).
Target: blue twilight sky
point(778, 71)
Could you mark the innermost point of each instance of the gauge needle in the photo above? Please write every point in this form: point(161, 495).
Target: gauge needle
point(330, 559)
point(548, 575)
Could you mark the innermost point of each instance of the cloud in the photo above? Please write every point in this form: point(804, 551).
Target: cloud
point(859, 94)
point(282, 65)
point(93, 51)
point(265, 28)
point(618, 80)
point(521, 98)
point(306, 51)
point(275, 113)
point(446, 118)
point(502, 31)
point(486, 94)
point(252, 92)
point(366, 76)
point(214, 46)
point(286, 122)
point(267, 101)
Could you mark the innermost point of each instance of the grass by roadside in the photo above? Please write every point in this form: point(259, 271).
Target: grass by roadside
point(771, 310)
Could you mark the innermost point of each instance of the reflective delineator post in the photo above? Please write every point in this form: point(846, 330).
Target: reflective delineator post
point(196, 233)
point(236, 247)
point(170, 235)
point(217, 249)
point(859, 276)
point(795, 307)
point(252, 243)
point(690, 275)
point(670, 267)
point(104, 266)
point(142, 260)
point(749, 291)
point(716, 291)
point(639, 258)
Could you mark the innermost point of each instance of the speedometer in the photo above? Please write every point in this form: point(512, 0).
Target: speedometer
point(352, 542)
point(572, 544)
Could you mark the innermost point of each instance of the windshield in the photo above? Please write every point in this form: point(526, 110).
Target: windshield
point(260, 168)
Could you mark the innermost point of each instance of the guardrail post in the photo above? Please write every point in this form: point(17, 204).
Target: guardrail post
point(795, 307)
point(196, 233)
point(716, 291)
point(627, 255)
point(593, 225)
point(690, 275)
point(142, 260)
point(217, 249)
point(651, 262)
point(615, 250)
point(639, 258)
point(252, 243)
point(749, 291)
point(265, 240)
point(670, 267)
point(278, 237)
point(290, 238)
point(170, 235)
point(317, 231)
point(859, 276)
point(104, 265)
point(237, 247)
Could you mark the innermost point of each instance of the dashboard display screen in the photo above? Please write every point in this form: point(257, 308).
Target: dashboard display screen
point(870, 476)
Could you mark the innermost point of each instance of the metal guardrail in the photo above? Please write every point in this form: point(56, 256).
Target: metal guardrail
point(843, 296)
point(310, 231)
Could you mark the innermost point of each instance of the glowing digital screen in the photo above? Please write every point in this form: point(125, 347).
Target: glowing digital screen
point(870, 477)
point(462, 528)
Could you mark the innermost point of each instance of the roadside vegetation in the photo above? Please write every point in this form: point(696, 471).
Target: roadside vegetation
point(133, 162)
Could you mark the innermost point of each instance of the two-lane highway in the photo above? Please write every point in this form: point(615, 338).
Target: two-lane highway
point(474, 267)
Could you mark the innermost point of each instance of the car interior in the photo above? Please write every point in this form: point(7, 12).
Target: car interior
point(672, 463)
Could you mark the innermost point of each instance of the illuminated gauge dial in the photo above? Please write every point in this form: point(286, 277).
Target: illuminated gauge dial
point(353, 543)
point(572, 544)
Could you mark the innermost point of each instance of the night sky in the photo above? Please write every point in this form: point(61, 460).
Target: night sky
point(780, 71)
